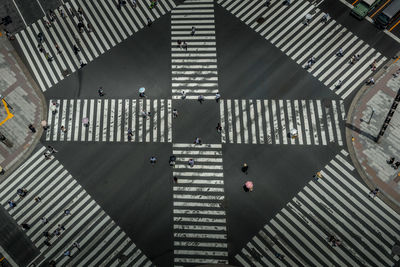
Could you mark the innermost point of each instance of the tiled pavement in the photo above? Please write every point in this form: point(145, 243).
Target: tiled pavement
point(18, 90)
point(366, 115)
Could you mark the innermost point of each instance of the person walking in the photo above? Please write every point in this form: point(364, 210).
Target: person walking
point(340, 53)
point(191, 162)
point(200, 99)
point(183, 95)
point(30, 126)
point(374, 193)
point(63, 129)
point(101, 91)
point(219, 127)
point(130, 134)
point(76, 49)
point(67, 253)
point(184, 45)
point(38, 199)
point(217, 97)
point(67, 212)
point(45, 220)
point(153, 160)
point(193, 31)
point(25, 226)
point(12, 204)
point(58, 48)
point(175, 179)
point(52, 150)
point(197, 141)
point(245, 168)
point(149, 22)
point(174, 113)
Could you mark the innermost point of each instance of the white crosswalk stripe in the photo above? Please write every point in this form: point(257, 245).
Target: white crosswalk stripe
point(249, 122)
point(284, 27)
point(194, 67)
point(335, 205)
point(110, 27)
point(99, 238)
point(200, 234)
point(110, 119)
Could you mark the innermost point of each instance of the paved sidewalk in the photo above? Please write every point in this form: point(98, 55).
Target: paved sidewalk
point(366, 116)
point(27, 104)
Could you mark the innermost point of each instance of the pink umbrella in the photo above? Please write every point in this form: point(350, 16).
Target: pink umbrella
point(249, 185)
point(85, 120)
point(44, 123)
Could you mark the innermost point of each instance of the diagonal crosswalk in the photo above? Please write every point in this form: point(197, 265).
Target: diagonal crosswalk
point(336, 205)
point(109, 120)
point(200, 235)
point(283, 26)
point(194, 60)
point(101, 241)
point(109, 26)
point(247, 121)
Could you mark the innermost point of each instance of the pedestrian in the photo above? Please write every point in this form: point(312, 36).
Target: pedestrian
point(267, 3)
point(2, 171)
point(175, 179)
point(57, 232)
point(77, 40)
point(144, 114)
point(53, 108)
point(286, 2)
point(61, 11)
point(67, 212)
point(179, 42)
point(61, 227)
point(82, 63)
point(12, 204)
point(153, 160)
point(219, 127)
point(101, 91)
point(149, 22)
point(67, 253)
point(184, 45)
point(373, 65)
point(174, 113)
point(40, 37)
point(40, 47)
point(76, 245)
point(45, 220)
point(22, 192)
point(172, 160)
point(245, 168)
point(30, 126)
point(89, 27)
point(38, 199)
point(134, 3)
point(217, 97)
point(25, 226)
point(371, 81)
point(340, 53)
point(47, 155)
point(47, 24)
point(183, 95)
point(374, 192)
point(47, 243)
point(46, 234)
point(63, 129)
point(390, 161)
point(191, 162)
point(396, 165)
point(197, 141)
point(52, 263)
point(193, 30)
point(52, 150)
point(76, 49)
point(44, 125)
point(9, 35)
point(48, 57)
point(200, 99)
point(130, 134)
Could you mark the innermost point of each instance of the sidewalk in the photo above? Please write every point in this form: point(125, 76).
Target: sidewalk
point(27, 104)
point(365, 118)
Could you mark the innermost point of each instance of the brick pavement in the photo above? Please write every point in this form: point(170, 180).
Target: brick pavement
point(365, 118)
point(27, 102)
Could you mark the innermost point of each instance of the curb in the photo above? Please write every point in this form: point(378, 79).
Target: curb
point(350, 146)
point(43, 116)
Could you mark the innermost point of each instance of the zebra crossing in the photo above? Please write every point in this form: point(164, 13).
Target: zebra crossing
point(283, 26)
point(248, 121)
point(194, 68)
point(101, 241)
point(336, 205)
point(200, 235)
point(109, 120)
point(110, 27)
